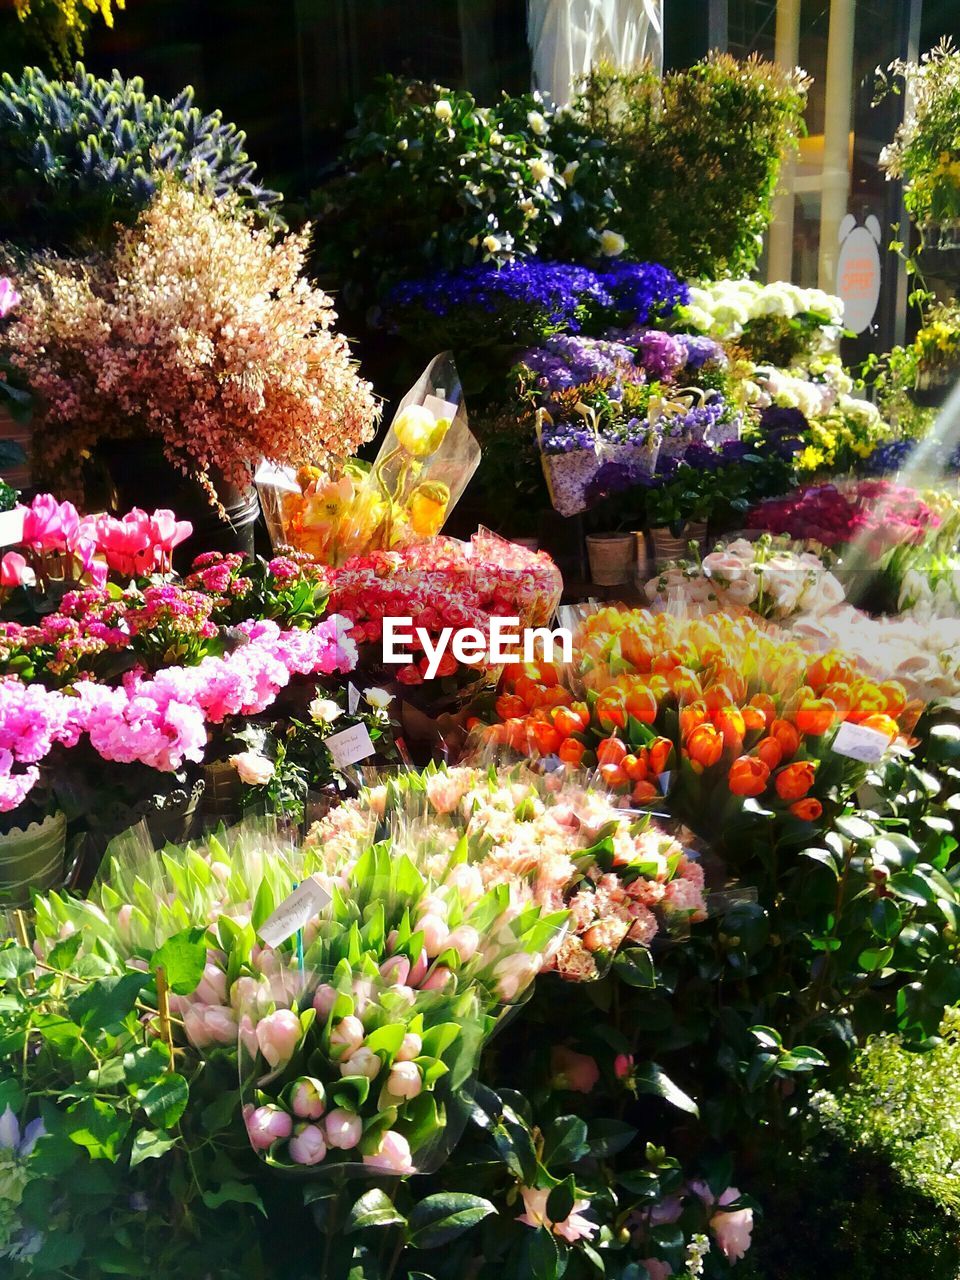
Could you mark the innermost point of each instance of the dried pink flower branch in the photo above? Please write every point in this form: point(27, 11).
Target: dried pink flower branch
point(199, 329)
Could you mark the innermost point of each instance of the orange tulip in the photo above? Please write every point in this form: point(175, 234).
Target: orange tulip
point(815, 716)
point(732, 679)
point(508, 706)
point(635, 767)
point(516, 733)
point(642, 704)
point(883, 724)
point(839, 695)
point(613, 775)
point(829, 669)
point(717, 696)
point(731, 724)
point(659, 753)
point(866, 699)
point(611, 751)
point(611, 709)
point(667, 660)
point(546, 738)
point(644, 792)
point(770, 752)
point(896, 696)
point(753, 718)
point(636, 649)
point(692, 715)
point(571, 751)
point(748, 776)
point(786, 735)
point(765, 704)
point(809, 810)
point(705, 745)
point(793, 782)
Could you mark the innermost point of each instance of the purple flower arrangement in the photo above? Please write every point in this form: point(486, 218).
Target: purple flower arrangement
point(532, 299)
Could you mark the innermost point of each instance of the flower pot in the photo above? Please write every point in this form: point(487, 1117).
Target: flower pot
point(141, 476)
point(32, 860)
point(612, 558)
point(665, 546)
point(222, 796)
point(11, 528)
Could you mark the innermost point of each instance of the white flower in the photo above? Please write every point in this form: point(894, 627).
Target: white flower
point(537, 123)
point(324, 711)
point(254, 769)
point(541, 170)
point(496, 138)
point(570, 172)
point(402, 144)
point(378, 698)
point(612, 243)
point(491, 244)
point(443, 110)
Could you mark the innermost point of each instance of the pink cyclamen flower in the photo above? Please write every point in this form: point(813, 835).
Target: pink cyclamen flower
point(308, 1098)
point(573, 1228)
point(307, 1146)
point(392, 1155)
point(343, 1129)
point(13, 570)
point(267, 1125)
point(49, 525)
point(9, 298)
point(577, 1072)
point(278, 1036)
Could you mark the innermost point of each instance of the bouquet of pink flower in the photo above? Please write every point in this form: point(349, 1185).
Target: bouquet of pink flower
point(876, 515)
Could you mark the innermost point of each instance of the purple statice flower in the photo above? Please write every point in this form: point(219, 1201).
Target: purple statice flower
point(566, 361)
point(646, 291)
point(661, 355)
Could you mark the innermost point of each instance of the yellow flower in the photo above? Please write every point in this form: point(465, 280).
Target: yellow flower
point(419, 432)
point(809, 459)
point(427, 508)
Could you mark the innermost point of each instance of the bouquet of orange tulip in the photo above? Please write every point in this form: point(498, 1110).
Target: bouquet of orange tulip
point(724, 720)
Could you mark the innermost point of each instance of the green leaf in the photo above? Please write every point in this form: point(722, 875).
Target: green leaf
point(565, 1141)
point(182, 959)
point(142, 1067)
point(560, 1200)
point(443, 1217)
point(545, 1261)
point(233, 1193)
point(149, 1145)
point(373, 1209)
point(653, 1079)
point(872, 958)
point(97, 1126)
point(609, 1137)
point(15, 962)
point(107, 1002)
point(635, 967)
point(911, 887)
point(166, 1101)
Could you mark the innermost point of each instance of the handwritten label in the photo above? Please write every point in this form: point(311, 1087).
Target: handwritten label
point(353, 698)
point(860, 743)
point(293, 914)
point(439, 407)
point(349, 745)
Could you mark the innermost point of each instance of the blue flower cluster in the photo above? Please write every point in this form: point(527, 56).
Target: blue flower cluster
point(888, 458)
point(559, 295)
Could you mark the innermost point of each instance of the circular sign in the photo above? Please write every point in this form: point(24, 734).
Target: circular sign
point(858, 272)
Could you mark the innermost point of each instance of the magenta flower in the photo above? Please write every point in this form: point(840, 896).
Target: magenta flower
point(9, 298)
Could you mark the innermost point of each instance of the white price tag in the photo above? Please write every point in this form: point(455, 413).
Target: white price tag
point(295, 912)
point(350, 745)
point(860, 743)
point(353, 698)
point(439, 407)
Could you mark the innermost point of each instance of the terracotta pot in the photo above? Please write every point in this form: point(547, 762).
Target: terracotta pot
point(665, 546)
point(612, 558)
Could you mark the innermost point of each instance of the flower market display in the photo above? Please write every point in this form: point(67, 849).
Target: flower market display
point(379, 898)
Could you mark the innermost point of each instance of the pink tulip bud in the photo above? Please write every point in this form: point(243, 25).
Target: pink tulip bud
point(307, 1146)
point(267, 1125)
point(243, 994)
point(419, 970)
point(465, 940)
point(514, 974)
point(396, 969)
point(467, 880)
point(278, 1035)
point(308, 1098)
point(221, 871)
point(404, 1080)
point(247, 1036)
point(411, 1047)
point(392, 939)
point(348, 1034)
point(435, 934)
point(324, 999)
point(124, 917)
point(437, 980)
point(212, 987)
point(343, 1129)
point(392, 1155)
point(206, 1025)
point(364, 1062)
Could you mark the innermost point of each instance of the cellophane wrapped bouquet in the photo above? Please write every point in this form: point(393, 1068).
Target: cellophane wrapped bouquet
point(335, 511)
